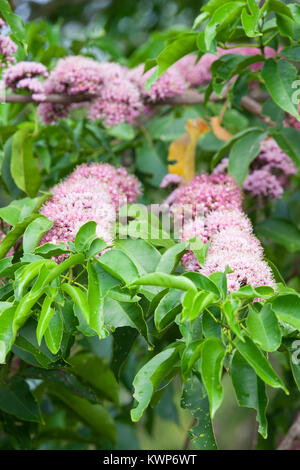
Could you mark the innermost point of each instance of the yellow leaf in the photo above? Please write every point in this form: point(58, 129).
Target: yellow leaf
point(220, 132)
point(182, 151)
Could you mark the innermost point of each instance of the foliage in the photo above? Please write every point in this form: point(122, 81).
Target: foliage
point(95, 337)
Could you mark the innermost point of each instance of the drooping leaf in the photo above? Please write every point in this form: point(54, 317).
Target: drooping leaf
point(250, 390)
point(149, 378)
point(254, 356)
point(193, 399)
point(24, 168)
point(212, 358)
point(16, 399)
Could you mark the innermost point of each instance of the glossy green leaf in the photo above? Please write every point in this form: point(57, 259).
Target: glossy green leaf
point(287, 309)
point(54, 332)
point(242, 154)
point(34, 232)
point(279, 77)
point(263, 328)
point(165, 280)
point(119, 265)
point(85, 236)
point(167, 309)
point(16, 399)
point(149, 378)
point(14, 21)
point(212, 358)
point(45, 316)
point(80, 299)
point(194, 400)
point(254, 356)
point(250, 390)
point(95, 302)
point(171, 258)
point(118, 314)
point(185, 44)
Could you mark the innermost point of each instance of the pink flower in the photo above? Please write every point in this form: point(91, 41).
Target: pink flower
point(92, 192)
point(269, 173)
point(206, 193)
point(193, 72)
point(119, 101)
point(7, 50)
point(242, 252)
point(122, 187)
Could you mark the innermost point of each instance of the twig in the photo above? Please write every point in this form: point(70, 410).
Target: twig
point(293, 433)
point(189, 97)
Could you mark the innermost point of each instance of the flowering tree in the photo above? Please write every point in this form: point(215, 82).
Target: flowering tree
point(150, 239)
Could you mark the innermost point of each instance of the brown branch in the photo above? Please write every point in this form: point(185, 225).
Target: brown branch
point(189, 97)
point(293, 433)
point(52, 98)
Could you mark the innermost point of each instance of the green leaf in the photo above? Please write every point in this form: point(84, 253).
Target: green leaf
point(254, 356)
point(230, 310)
point(34, 232)
point(119, 265)
point(280, 231)
point(24, 168)
point(279, 77)
point(122, 131)
point(93, 370)
point(264, 329)
point(15, 233)
point(95, 416)
point(288, 140)
point(171, 258)
point(45, 316)
point(242, 153)
point(222, 17)
point(287, 309)
point(16, 399)
point(227, 146)
point(142, 253)
point(190, 355)
point(249, 21)
point(291, 52)
point(280, 7)
point(6, 331)
point(212, 358)
point(167, 309)
point(202, 282)
point(165, 280)
point(250, 390)
point(15, 22)
point(149, 378)
point(185, 44)
point(85, 236)
point(95, 302)
point(79, 298)
point(117, 314)
point(54, 332)
point(193, 399)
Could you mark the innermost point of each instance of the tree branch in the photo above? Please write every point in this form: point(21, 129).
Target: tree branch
point(189, 97)
point(293, 433)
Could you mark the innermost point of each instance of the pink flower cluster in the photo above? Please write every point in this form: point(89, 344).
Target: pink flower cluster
point(241, 251)
point(25, 76)
point(7, 48)
point(92, 192)
point(115, 93)
point(269, 174)
point(233, 244)
point(203, 194)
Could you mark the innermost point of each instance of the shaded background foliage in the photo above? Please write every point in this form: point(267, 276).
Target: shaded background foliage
point(130, 33)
